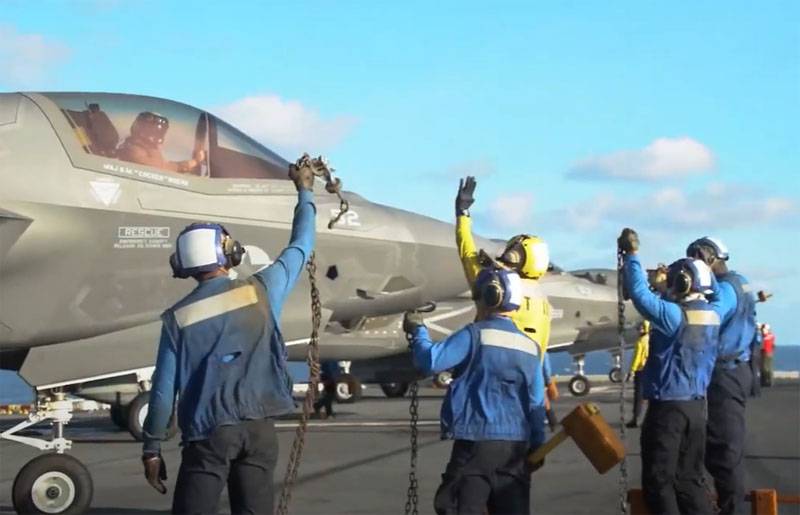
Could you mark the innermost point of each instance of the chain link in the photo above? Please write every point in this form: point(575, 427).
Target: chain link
point(312, 359)
point(333, 185)
point(623, 467)
point(412, 497)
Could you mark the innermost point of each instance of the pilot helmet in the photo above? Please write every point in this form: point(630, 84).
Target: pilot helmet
point(498, 290)
point(151, 127)
point(708, 249)
point(204, 247)
point(527, 255)
point(688, 275)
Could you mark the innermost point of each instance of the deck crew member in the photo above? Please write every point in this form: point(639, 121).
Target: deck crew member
point(529, 257)
point(732, 380)
point(329, 374)
point(767, 354)
point(683, 348)
point(223, 355)
point(494, 408)
point(637, 371)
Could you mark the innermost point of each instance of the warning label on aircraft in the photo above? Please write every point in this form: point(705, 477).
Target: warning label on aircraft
point(143, 237)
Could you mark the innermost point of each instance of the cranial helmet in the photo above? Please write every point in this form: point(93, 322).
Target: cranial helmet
point(498, 290)
point(150, 127)
point(527, 255)
point(688, 275)
point(708, 249)
point(204, 247)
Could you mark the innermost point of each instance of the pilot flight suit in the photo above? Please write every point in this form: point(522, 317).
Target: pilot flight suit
point(684, 339)
point(137, 150)
point(494, 410)
point(731, 384)
point(223, 354)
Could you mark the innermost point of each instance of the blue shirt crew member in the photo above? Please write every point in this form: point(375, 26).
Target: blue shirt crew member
point(222, 354)
point(683, 348)
point(732, 380)
point(494, 408)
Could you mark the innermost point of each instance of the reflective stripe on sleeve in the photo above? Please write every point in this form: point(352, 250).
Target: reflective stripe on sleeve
point(216, 305)
point(698, 317)
point(508, 340)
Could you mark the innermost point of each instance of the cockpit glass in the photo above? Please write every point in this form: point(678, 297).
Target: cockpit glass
point(148, 131)
point(235, 155)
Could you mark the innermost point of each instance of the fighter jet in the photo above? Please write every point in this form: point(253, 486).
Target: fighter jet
point(96, 187)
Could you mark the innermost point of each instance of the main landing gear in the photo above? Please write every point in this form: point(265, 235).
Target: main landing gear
point(53, 483)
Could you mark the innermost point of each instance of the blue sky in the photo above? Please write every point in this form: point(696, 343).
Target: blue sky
point(678, 119)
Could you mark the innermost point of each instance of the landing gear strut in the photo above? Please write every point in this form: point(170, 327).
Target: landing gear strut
point(579, 385)
point(53, 482)
point(615, 374)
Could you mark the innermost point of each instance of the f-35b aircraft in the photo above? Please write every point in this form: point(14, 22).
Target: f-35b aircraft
point(95, 189)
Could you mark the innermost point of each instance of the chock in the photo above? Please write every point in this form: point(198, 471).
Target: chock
point(593, 436)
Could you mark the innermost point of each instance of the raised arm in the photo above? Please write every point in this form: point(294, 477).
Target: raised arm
point(464, 241)
point(666, 316)
point(432, 358)
point(280, 277)
point(162, 395)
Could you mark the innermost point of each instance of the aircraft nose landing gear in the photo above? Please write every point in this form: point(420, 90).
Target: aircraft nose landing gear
point(54, 482)
point(579, 385)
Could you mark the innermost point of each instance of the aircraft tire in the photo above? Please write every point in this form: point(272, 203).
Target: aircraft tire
point(615, 375)
point(348, 389)
point(137, 412)
point(579, 386)
point(394, 390)
point(119, 415)
point(53, 483)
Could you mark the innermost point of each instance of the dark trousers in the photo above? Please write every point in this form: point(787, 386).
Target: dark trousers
point(673, 444)
point(727, 395)
point(491, 474)
point(243, 456)
point(766, 369)
point(327, 398)
point(638, 397)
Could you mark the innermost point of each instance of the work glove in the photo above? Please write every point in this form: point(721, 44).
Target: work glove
point(411, 321)
point(302, 176)
point(464, 199)
point(155, 471)
point(628, 241)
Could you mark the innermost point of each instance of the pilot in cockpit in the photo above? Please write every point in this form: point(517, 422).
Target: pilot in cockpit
point(143, 146)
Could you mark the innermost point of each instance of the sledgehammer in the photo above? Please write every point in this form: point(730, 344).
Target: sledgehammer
point(594, 437)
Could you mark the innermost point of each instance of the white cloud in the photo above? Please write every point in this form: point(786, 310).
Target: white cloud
point(511, 211)
point(26, 60)
point(717, 206)
point(285, 125)
point(662, 159)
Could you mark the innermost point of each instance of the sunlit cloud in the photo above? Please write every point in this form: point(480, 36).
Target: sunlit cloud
point(27, 60)
point(286, 126)
point(664, 158)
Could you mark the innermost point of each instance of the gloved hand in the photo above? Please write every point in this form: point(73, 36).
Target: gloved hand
point(464, 199)
point(411, 321)
point(155, 471)
point(628, 241)
point(302, 176)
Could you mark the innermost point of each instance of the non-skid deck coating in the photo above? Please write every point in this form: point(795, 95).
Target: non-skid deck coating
point(358, 462)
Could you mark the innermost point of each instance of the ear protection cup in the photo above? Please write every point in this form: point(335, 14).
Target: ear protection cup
point(177, 269)
point(492, 293)
point(233, 250)
point(514, 255)
point(682, 283)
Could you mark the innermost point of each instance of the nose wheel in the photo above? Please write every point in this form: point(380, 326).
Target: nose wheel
point(52, 483)
point(579, 385)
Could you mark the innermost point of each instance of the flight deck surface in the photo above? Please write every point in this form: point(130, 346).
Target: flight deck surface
point(357, 463)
